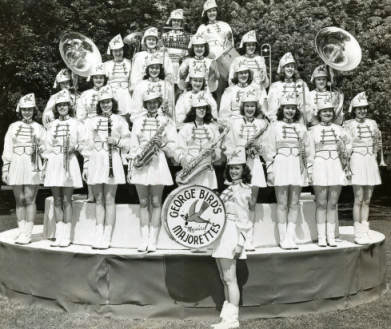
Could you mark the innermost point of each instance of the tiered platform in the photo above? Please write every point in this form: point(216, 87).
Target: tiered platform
point(183, 284)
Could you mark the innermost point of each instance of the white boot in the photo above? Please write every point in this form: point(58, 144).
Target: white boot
point(25, 236)
point(21, 224)
point(231, 321)
point(143, 246)
point(366, 231)
point(98, 237)
point(153, 236)
point(321, 235)
point(58, 234)
point(331, 235)
point(282, 233)
point(66, 238)
point(291, 235)
point(223, 313)
point(107, 236)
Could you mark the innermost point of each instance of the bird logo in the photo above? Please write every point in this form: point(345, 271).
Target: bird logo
point(193, 216)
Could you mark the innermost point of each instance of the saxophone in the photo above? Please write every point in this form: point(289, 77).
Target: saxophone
point(150, 148)
point(249, 147)
point(193, 169)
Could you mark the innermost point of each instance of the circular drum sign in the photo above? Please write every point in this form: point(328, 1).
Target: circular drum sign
point(194, 216)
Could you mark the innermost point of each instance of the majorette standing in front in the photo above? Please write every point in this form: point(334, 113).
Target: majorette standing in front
point(108, 135)
point(198, 61)
point(256, 63)
point(287, 157)
point(149, 44)
point(118, 70)
point(153, 138)
point(289, 81)
point(22, 164)
point(198, 146)
point(241, 85)
point(321, 79)
point(195, 88)
point(63, 138)
point(86, 104)
point(248, 132)
point(63, 81)
point(366, 142)
point(230, 245)
point(329, 144)
point(154, 81)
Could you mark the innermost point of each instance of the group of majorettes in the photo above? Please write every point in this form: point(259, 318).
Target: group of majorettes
point(255, 124)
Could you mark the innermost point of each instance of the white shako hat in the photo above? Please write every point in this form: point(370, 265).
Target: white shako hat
point(319, 72)
point(98, 69)
point(26, 101)
point(208, 4)
point(197, 39)
point(176, 14)
point(150, 95)
point(151, 32)
point(250, 96)
point(248, 37)
point(241, 66)
point(325, 102)
point(238, 156)
point(358, 100)
point(288, 98)
point(286, 59)
point(199, 101)
point(63, 96)
point(115, 43)
point(155, 58)
point(197, 70)
point(62, 76)
point(105, 93)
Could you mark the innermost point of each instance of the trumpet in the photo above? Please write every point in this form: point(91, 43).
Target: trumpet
point(35, 154)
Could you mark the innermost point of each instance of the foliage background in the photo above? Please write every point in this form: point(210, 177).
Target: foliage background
point(30, 32)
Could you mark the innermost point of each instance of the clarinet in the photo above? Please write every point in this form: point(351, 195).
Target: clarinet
point(109, 125)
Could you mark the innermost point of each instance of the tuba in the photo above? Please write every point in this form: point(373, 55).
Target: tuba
point(79, 53)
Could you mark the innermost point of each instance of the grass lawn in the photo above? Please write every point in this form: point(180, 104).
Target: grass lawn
point(377, 314)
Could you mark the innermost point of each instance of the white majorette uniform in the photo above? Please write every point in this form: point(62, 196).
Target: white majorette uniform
point(192, 142)
point(142, 58)
point(240, 133)
point(88, 100)
point(316, 96)
point(118, 74)
point(236, 200)
point(156, 172)
point(256, 63)
point(196, 65)
point(152, 85)
point(62, 76)
point(22, 146)
point(279, 88)
point(176, 43)
point(62, 168)
point(218, 35)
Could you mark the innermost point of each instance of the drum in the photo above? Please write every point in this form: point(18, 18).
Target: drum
point(224, 62)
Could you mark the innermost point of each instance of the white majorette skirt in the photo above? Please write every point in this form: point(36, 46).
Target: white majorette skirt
point(365, 170)
point(257, 174)
point(287, 171)
point(122, 96)
point(205, 178)
point(21, 171)
point(327, 172)
point(55, 174)
point(155, 173)
point(98, 168)
point(226, 244)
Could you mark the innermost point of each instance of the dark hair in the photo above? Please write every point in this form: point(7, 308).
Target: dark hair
point(257, 111)
point(92, 82)
point(71, 111)
point(246, 175)
point(353, 113)
point(281, 76)
point(145, 102)
point(206, 51)
point(242, 51)
point(189, 87)
point(280, 114)
point(161, 75)
point(318, 114)
point(235, 79)
point(205, 19)
point(191, 115)
point(182, 21)
point(19, 115)
point(114, 109)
